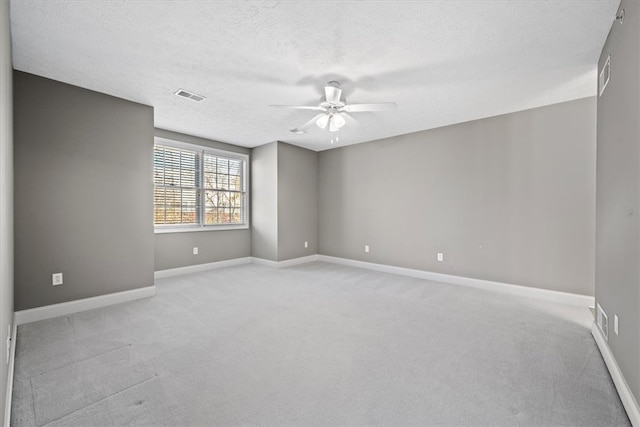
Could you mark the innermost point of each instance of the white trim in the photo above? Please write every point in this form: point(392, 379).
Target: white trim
point(545, 294)
point(171, 272)
point(297, 261)
point(264, 262)
point(162, 229)
point(70, 307)
point(538, 293)
point(285, 263)
point(626, 395)
point(161, 274)
point(12, 358)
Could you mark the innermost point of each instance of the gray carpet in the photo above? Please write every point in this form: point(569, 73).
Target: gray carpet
point(314, 344)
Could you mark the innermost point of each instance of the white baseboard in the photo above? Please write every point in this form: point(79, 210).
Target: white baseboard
point(545, 294)
point(264, 262)
point(297, 261)
point(66, 308)
point(628, 400)
point(161, 274)
point(285, 263)
point(526, 291)
point(171, 272)
point(12, 358)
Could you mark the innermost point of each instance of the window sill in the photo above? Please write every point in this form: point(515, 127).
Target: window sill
point(163, 230)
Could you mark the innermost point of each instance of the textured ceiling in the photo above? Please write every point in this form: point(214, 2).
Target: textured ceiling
point(442, 62)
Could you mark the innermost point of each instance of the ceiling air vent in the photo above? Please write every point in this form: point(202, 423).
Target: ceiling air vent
point(189, 95)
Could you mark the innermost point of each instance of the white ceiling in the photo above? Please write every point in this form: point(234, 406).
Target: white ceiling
point(442, 62)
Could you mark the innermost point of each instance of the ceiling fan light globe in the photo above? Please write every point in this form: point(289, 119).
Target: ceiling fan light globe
point(338, 120)
point(323, 121)
point(336, 123)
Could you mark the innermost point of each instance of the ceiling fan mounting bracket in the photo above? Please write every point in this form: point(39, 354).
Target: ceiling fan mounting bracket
point(332, 106)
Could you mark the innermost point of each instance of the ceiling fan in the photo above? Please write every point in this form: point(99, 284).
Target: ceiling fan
point(334, 109)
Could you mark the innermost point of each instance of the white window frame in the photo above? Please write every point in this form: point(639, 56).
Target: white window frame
point(202, 149)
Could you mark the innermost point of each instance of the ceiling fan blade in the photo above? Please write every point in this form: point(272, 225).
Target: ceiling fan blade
point(303, 129)
point(380, 106)
point(353, 123)
point(300, 107)
point(332, 93)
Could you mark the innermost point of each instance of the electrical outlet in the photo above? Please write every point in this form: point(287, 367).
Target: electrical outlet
point(195, 250)
point(615, 324)
point(56, 279)
point(440, 256)
point(306, 244)
point(366, 248)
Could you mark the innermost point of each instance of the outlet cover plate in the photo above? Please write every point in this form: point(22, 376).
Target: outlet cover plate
point(56, 279)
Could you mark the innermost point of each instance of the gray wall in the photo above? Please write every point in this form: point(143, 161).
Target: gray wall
point(297, 201)
point(264, 202)
point(83, 192)
point(509, 199)
point(617, 194)
point(174, 250)
point(6, 195)
point(284, 201)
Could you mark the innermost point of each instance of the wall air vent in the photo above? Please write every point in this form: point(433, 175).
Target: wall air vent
point(605, 75)
point(189, 95)
point(602, 320)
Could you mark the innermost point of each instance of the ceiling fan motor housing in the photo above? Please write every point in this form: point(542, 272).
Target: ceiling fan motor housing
point(333, 92)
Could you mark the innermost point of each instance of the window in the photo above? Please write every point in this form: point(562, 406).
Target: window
point(198, 188)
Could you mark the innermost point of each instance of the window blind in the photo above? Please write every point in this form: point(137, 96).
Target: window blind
point(194, 187)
